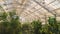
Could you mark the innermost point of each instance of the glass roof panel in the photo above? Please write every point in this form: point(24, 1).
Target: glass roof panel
point(34, 8)
point(48, 1)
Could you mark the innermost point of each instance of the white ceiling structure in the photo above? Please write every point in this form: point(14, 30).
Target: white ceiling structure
point(35, 9)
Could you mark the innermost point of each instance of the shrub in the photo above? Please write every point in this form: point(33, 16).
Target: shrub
point(9, 27)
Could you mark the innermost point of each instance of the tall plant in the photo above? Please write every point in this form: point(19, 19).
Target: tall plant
point(53, 27)
point(37, 27)
point(9, 25)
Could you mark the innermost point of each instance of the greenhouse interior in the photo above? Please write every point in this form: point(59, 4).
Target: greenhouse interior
point(29, 16)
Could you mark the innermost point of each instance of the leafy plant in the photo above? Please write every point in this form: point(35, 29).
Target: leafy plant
point(26, 28)
point(37, 26)
point(53, 27)
point(10, 27)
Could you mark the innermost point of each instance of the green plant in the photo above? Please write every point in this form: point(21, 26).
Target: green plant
point(26, 28)
point(37, 27)
point(9, 27)
point(53, 25)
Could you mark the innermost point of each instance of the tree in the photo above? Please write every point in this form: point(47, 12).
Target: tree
point(53, 25)
point(37, 27)
point(9, 25)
